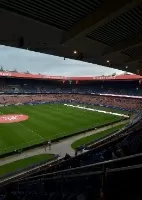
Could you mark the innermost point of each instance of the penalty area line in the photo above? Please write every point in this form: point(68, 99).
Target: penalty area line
point(31, 131)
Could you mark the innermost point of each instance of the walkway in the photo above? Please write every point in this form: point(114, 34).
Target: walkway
point(61, 148)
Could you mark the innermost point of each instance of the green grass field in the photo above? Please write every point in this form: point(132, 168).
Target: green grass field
point(24, 163)
point(48, 121)
point(88, 139)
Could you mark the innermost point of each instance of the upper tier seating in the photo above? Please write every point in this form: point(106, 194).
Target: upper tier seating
point(38, 86)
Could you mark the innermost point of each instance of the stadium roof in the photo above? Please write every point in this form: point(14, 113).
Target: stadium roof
point(41, 76)
point(105, 32)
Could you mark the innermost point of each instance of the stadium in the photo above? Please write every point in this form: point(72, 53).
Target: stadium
point(65, 103)
point(36, 109)
point(72, 137)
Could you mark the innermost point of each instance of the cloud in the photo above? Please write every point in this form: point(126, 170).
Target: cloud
point(23, 60)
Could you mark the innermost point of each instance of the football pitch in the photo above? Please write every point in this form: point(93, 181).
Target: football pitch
point(46, 122)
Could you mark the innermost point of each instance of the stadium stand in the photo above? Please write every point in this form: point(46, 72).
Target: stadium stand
point(132, 87)
point(121, 102)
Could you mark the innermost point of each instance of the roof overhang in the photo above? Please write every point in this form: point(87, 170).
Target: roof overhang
point(8, 74)
point(106, 33)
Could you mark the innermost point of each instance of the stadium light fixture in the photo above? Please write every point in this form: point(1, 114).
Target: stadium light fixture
point(75, 52)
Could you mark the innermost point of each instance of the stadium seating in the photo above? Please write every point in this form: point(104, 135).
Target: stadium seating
point(124, 103)
point(119, 179)
point(39, 86)
point(67, 91)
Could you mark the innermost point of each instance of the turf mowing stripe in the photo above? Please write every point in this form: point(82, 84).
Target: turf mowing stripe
point(66, 123)
point(31, 131)
point(40, 122)
point(18, 134)
point(39, 114)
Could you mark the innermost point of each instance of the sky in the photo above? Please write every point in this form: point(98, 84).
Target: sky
point(25, 60)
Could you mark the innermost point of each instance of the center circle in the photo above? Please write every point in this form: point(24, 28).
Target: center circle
point(12, 118)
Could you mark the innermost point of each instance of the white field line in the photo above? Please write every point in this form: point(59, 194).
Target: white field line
point(28, 129)
point(95, 110)
point(31, 131)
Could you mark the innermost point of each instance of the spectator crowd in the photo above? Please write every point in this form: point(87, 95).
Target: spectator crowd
point(121, 102)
